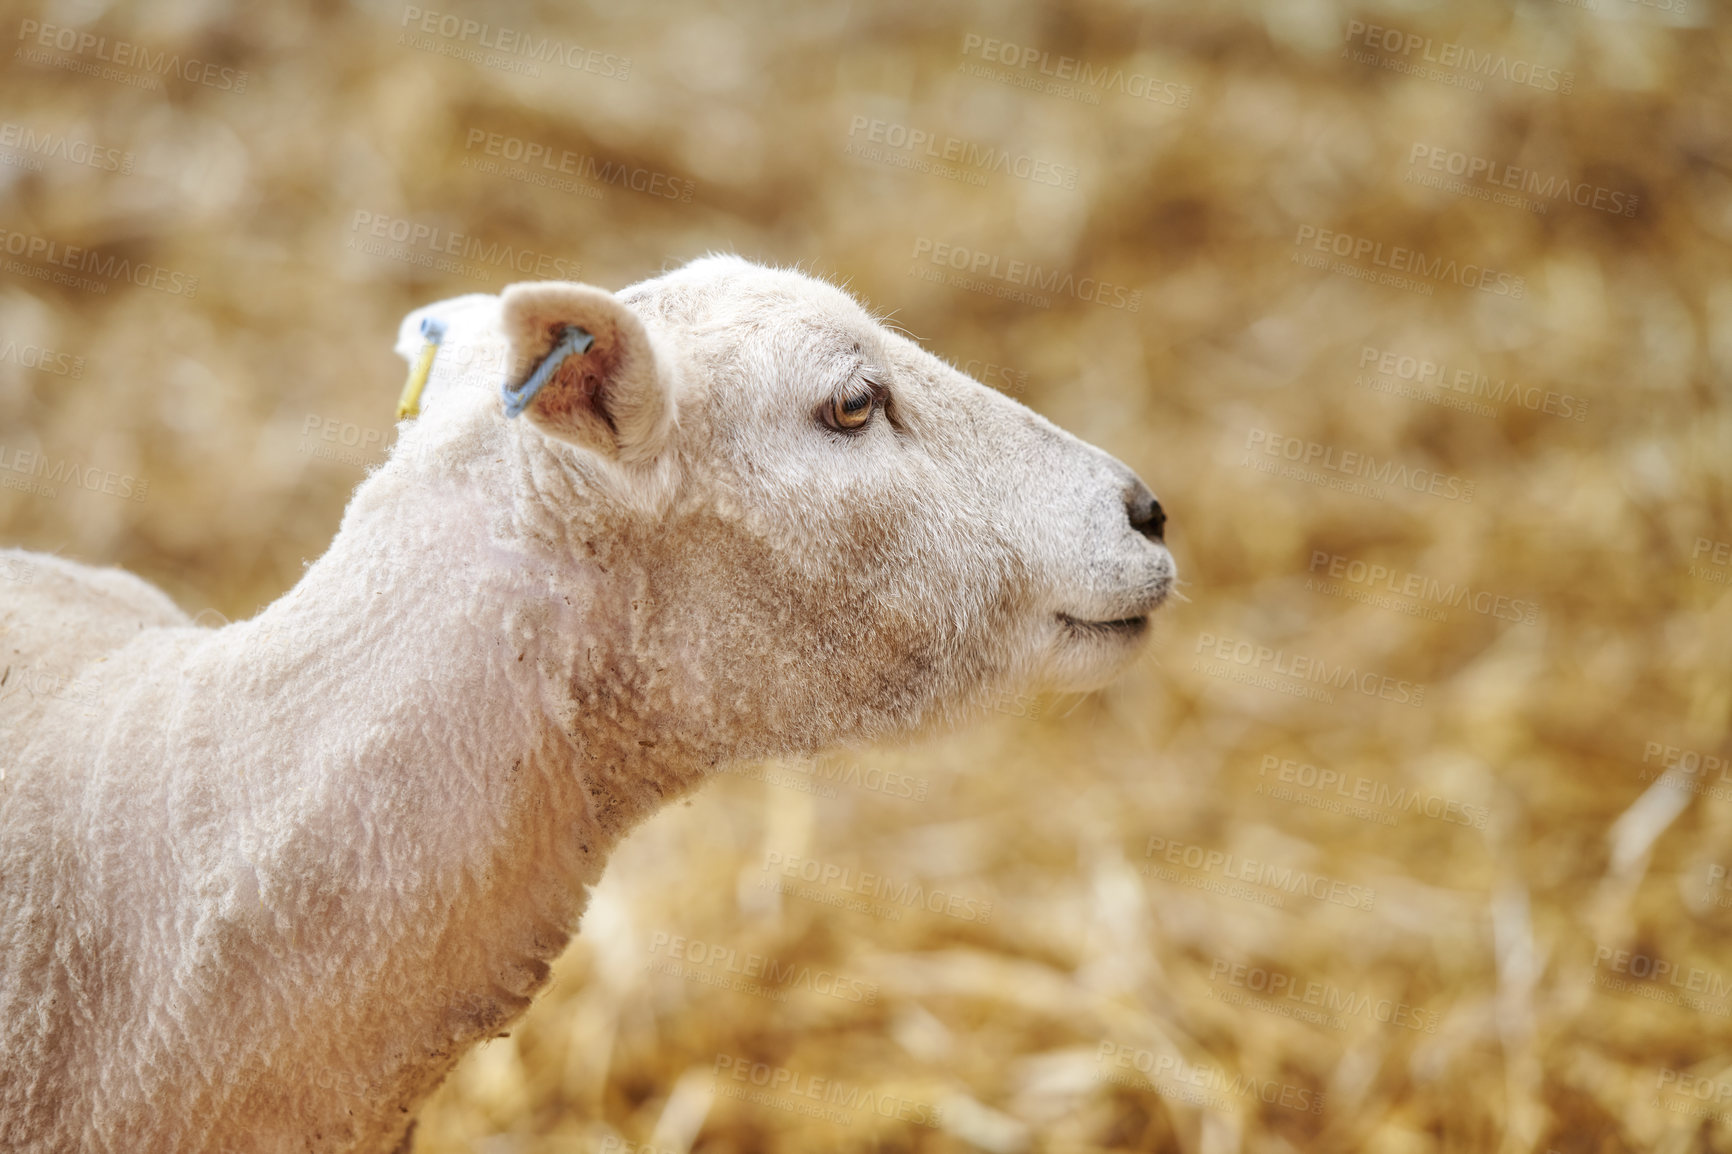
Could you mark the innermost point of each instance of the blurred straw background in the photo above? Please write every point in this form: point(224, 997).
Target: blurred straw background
point(1223, 906)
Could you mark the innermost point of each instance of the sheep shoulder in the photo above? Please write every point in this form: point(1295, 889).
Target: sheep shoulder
point(55, 613)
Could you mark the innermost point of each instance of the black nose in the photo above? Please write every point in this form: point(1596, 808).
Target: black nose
point(1147, 516)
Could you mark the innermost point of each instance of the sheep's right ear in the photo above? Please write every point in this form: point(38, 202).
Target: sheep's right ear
point(616, 396)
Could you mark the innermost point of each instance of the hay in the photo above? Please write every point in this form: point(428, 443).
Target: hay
point(1234, 903)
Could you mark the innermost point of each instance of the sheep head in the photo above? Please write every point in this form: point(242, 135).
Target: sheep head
point(829, 534)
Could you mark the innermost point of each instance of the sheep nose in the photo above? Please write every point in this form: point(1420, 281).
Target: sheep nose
point(1145, 513)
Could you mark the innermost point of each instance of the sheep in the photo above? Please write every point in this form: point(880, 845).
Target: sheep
point(262, 885)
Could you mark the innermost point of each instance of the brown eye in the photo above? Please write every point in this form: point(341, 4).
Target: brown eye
point(850, 411)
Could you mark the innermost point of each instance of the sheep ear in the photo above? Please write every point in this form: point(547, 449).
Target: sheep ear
point(468, 349)
point(614, 397)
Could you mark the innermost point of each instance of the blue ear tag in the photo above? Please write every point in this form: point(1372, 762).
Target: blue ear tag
point(574, 342)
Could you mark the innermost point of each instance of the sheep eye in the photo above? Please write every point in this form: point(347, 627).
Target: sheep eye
point(850, 411)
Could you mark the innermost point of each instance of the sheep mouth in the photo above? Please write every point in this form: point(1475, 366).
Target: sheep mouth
point(1123, 627)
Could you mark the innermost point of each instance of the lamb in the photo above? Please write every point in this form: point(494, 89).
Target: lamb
point(262, 885)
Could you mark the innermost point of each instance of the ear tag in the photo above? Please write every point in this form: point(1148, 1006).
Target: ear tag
point(573, 342)
point(432, 332)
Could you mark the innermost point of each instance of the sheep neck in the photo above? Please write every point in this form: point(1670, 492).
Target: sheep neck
point(479, 698)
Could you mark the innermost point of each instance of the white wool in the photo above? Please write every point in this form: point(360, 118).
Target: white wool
point(261, 886)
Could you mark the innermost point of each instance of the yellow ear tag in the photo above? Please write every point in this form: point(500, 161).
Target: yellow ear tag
point(409, 404)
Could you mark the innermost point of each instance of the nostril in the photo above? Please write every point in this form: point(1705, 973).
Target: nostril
point(1150, 521)
point(1145, 513)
